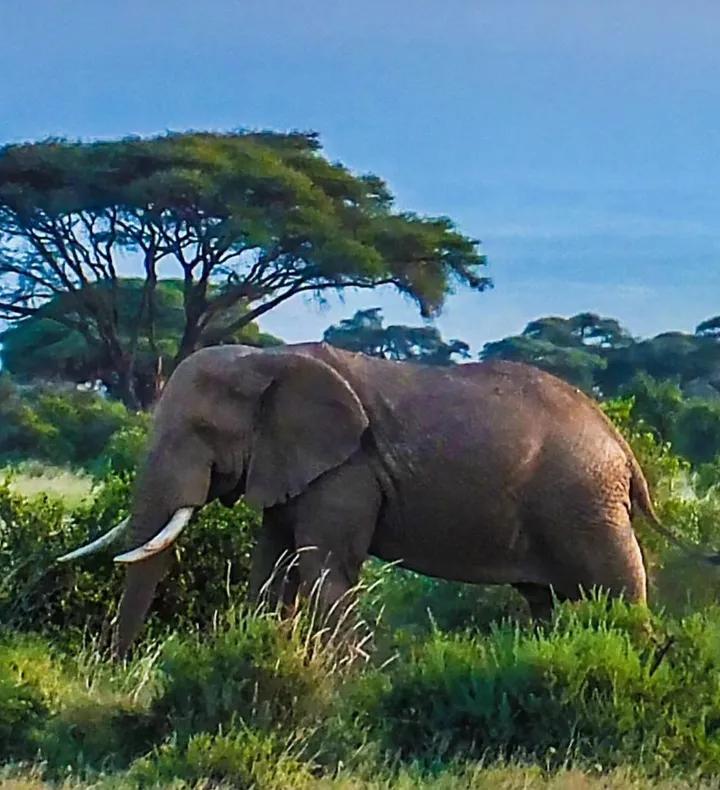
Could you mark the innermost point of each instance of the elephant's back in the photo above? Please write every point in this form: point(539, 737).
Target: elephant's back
point(491, 406)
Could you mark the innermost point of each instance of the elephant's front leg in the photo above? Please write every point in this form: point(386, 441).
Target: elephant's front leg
point(334, 524)
point(273, 571)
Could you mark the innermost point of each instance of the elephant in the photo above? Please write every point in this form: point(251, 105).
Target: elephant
point(492, 472)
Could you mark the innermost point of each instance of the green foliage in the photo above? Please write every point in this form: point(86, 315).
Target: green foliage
point(62, 425)
point(575, 365)
point(125, 448)
point(690, 425)
point(599, 356)
point(602, 686)
point(48, 344)
point(670, 355)
point(243, 758)
point(365, 333)
point(687, 503)
point(248, 219)
point(709, 328)
point(657, 403)
point(251, 671)
point(696, 432)
point(38, 594)
point(416, 604)
point(573, 348)
point(590, 687)
point(22, 709)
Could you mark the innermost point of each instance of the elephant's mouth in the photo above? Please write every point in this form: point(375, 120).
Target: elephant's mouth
point(228, 488)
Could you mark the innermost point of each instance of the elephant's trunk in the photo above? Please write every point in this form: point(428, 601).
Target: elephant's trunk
point(175, 478)
point(140, 584)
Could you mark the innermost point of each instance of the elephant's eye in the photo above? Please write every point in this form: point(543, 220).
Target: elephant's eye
point(203, 427)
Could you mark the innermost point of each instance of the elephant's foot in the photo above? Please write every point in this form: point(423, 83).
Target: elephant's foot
point(539, 598)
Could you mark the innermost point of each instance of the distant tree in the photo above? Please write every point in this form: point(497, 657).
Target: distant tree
point(656, 403)
point(696, 433)
point(576, 365)
point(583, 329)
point(573, 348)
point(709, 328)
point(364, 332)
point(597, 354)
point(44, 346)
point(677, 356)
point(248, 219)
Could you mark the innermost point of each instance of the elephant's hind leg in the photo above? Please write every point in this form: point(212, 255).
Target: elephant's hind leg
point(539, 598)
point(606, 556)
point(582, 534)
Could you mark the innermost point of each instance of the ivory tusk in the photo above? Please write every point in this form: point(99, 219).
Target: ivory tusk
point(166, 537)
point(96, 545)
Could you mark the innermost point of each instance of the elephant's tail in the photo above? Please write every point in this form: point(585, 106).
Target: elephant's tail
point(640, 498)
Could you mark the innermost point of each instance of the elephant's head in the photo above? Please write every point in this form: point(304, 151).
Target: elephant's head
point(229, 423)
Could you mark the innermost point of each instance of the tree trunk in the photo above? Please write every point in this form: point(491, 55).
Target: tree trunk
point(126, 384)
point(195, 304)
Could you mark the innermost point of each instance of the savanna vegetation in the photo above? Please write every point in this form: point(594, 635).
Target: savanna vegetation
point(447, 686)
point(452, 686)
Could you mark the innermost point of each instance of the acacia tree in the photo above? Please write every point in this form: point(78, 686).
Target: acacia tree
point(574, 348)
point(43, 346)
point(598, 354)
point(245, 218)
point(709, 328)
point(365, 332)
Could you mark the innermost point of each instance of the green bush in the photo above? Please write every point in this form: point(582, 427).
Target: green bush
point(252, 671)
point(690, 513)
point(65, 425)
point(690, 424)
point(243, 758)
point(38, 594)
point(22, 710)
point(419, 604)
point(249, 704)
point(589, 688)
point(124, 449)
point(696, 432)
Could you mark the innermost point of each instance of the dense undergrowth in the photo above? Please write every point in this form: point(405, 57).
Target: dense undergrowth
point(456, 689)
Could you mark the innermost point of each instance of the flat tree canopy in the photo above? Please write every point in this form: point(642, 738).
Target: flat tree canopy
point(366, 333)
point(599, 355)
point(241, 218)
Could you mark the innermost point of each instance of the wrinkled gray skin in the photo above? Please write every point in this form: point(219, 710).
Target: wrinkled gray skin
point(488, 473)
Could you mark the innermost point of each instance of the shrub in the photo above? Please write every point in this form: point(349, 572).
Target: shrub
point(22, 709)
point(696, 432)
point(251, 671)
point(57, 424)
point(419, 604)
point(94, 734)
point(65, 712)
point(656, 404)
point(592, 687)
point(38, 594)
point(62, 424)
point(124, 449)
point(243, 758)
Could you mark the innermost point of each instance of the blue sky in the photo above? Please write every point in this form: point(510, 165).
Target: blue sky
point(580, 141)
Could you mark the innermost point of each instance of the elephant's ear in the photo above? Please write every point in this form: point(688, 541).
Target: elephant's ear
point(310, 420)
